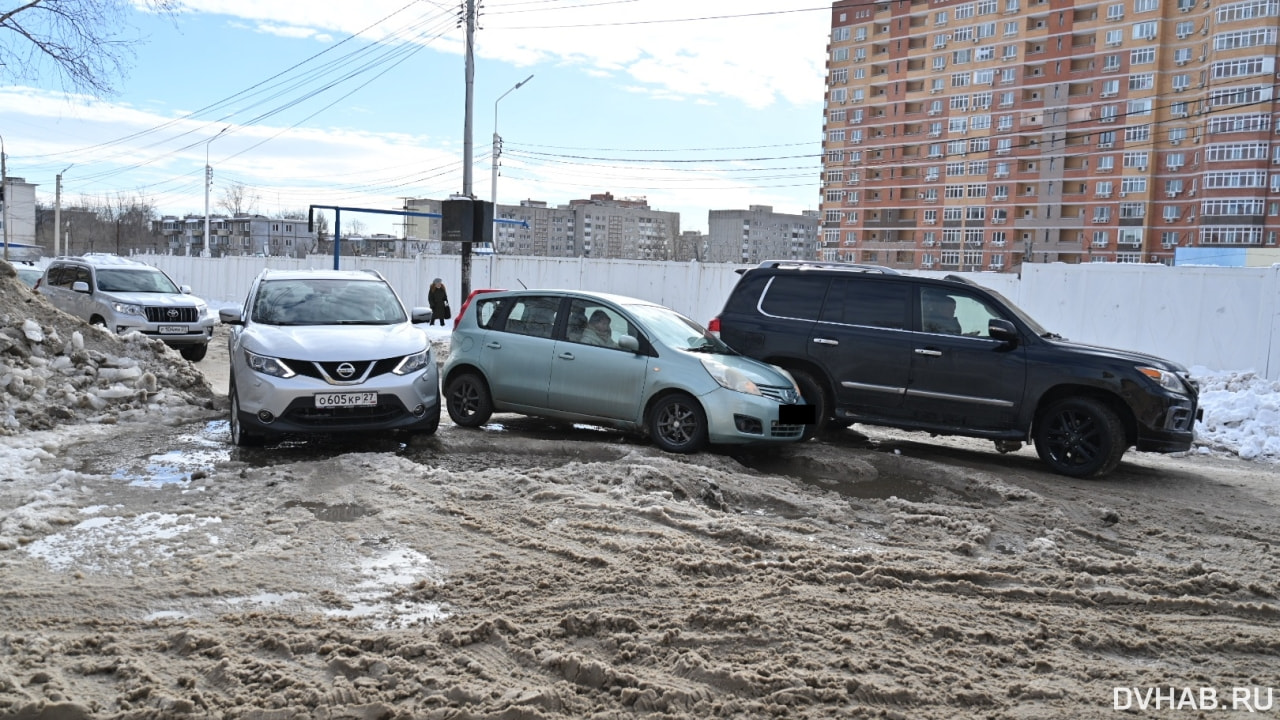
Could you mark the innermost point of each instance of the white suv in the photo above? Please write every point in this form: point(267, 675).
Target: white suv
point(123, 296)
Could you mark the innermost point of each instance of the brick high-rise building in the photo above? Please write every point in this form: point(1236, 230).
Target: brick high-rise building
point(979, 135)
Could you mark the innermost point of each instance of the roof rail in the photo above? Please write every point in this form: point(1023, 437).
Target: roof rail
point(852, 267)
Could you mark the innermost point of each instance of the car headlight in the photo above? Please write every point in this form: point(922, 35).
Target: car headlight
point(413, 363)
point(128, 309)
point(730, 378)
point(268, 365)
point(1165, 379)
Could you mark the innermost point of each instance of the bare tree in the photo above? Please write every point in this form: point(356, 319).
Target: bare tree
point(237, 199)
point(85, 41)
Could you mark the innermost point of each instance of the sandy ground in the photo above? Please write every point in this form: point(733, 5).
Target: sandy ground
point(523, 572)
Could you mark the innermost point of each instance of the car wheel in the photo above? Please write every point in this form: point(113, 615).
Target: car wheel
point(814, 394)
point(468, 400)
point(1080, 437)
point(194, 353)
point(240, 437)
point(97, 322)
point(678, 424)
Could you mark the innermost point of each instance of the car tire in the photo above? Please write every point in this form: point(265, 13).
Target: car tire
point(1080, 437)
point(240, 437)
point(814, 394)
point(678, 424)
point(194, 353)
point(468, 400)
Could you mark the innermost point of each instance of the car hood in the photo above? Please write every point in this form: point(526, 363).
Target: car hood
point(325, 343)
point(1136, 358)
point(154, 299)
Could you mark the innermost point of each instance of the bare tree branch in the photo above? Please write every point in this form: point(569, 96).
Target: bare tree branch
point(85, 41)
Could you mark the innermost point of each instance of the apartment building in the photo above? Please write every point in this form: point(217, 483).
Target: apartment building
point(982, 134)
point(758, 234)
point(243, 234)
point(599, 226)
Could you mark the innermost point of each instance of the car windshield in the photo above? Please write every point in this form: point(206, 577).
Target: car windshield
point(145, 280)
point(677, 331)
point(326, 301)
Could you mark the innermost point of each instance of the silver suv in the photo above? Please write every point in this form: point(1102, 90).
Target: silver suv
point(123, 296)
point(328, 351)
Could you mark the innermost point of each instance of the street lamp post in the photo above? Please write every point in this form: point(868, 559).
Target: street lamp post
point(208, 183)
point(497, 153)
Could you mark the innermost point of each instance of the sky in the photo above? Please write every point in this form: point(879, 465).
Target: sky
point(712, 105)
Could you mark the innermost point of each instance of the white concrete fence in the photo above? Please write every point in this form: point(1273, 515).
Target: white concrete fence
point(1218, 318)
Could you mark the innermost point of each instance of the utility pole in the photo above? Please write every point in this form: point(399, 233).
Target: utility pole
point(208, 183)
point(57, 214)
point(470, 73)
point(4, 191)
point(497, 153)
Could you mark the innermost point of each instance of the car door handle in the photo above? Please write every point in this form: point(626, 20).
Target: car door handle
point(826, 341)
point(493, 345)
point(929, 351)
point(565, 356)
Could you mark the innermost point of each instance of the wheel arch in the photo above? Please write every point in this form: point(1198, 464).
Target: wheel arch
point(658, 397)
point(1113, 402)
point(460, 369)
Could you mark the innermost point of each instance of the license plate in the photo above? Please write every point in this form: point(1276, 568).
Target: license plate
point(797, 414)
point(173, 329)
point(360, 399)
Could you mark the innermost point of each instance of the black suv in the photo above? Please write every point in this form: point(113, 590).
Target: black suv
point(868, 344)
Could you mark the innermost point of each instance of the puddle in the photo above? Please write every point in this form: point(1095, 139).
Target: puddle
point(194, 455)
point(388, 594)
point(344, 512)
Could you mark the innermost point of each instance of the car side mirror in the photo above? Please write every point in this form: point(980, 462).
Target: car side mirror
point(80, 286)
point(628, 343)
point(186, 289)
point(231, 316)
point(420, 315)
point(1002, 330)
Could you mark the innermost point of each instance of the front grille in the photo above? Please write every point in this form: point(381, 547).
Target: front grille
point(171, 314)
point(328, 371)
point(785, 431)
point(786, 395)
point(303, 411)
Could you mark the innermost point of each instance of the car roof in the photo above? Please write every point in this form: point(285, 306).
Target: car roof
point(104, 260)
point(587, 294)
point(320, 274)
point(810, 265)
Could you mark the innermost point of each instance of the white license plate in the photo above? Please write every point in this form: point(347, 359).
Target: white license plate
point(173, 329)
point(360, 399)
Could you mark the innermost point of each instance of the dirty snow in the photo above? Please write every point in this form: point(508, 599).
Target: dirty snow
point(151, 571)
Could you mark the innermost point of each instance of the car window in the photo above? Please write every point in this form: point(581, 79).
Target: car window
point(83, 275)
point(58, 276)
point(591, 323)
point(535, 316)
point(488, 310)
point(794, 296)
point(326, 301)
point(954, 312)
point(868, 302)
point(147, 281)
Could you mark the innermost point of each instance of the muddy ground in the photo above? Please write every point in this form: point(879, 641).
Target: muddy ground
point(523, 572)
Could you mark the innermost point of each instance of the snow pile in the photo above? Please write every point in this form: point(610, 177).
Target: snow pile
point(55, 370)
point(1241, 414)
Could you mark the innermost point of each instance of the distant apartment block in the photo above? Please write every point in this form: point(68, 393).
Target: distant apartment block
point(758, 234)
point(599, 226)
point(240, 235)
point(980, 135)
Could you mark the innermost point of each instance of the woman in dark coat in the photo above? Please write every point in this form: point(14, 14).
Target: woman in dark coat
point(438, 299)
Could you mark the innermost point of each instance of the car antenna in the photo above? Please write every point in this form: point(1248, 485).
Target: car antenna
point(526, 287)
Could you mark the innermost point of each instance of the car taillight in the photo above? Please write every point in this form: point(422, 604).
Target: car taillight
point(713, 327)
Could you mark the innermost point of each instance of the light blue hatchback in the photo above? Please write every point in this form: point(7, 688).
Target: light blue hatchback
point(615, 361)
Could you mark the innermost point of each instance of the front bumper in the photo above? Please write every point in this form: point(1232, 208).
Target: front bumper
point(1169, 427)
point(287, 406)
point(735, 418)
point(196, 334)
